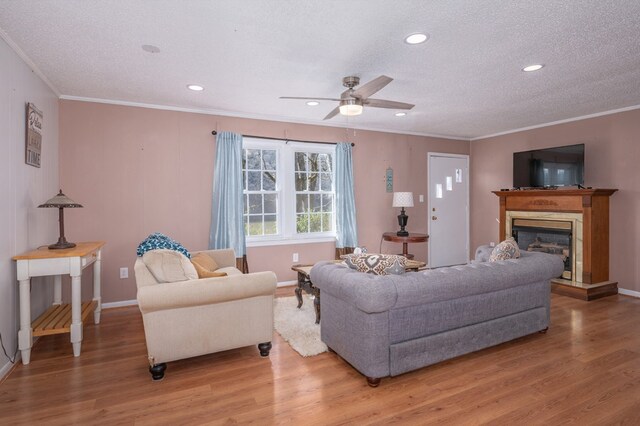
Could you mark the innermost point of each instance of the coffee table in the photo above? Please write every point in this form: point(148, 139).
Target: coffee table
point(304, 282)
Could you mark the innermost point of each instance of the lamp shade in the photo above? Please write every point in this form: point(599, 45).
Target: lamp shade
point(351, 106)
point(60, 200)
point(402, 199)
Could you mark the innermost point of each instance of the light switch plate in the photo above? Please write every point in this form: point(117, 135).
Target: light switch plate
point(124, 273)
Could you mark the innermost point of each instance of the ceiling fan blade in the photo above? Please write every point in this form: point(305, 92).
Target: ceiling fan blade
point(371, 87)
point(333, 113)
point(309, 99)
point(381, 103)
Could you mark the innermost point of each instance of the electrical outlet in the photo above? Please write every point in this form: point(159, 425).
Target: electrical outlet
point(295, 257)
point(124, 273)
point(492, 244)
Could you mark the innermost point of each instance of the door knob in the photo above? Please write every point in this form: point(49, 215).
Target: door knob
point(434, 217)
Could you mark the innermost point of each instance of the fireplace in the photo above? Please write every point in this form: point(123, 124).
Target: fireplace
point(547, 236)
point(573, 224)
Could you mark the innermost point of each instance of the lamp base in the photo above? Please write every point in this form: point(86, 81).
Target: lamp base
point(61, 245)
point(402, 233)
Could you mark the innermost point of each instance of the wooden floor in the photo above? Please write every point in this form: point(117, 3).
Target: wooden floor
point(585, 370)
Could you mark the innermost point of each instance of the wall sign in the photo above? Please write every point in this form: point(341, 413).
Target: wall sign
point(34, 136)
point(389, 179)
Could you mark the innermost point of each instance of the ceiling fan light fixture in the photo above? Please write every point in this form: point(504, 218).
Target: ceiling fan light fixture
point(416, 38)
point(351, 107)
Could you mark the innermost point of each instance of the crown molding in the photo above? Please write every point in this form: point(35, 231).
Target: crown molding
point(12, 44)
point(553, 123)
point(250, 116)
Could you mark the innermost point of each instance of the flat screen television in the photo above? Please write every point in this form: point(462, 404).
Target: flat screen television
point(559, 166)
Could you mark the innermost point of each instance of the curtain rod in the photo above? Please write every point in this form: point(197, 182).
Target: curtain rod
point(214, 133)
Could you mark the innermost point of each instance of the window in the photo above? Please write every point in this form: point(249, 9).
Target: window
point(288, 191)
point(259, 178)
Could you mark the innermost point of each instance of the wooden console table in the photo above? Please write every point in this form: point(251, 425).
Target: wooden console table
point(60, 318)
point(411, 238)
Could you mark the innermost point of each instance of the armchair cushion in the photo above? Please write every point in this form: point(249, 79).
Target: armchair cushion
point(168, 266)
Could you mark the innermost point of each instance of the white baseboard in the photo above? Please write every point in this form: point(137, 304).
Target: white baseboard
point(629, 292)
point(120, 304)
point(6, 369)
point(287, 283)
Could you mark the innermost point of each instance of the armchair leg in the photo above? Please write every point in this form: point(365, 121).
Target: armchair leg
point(264, 348)
point(157, 371)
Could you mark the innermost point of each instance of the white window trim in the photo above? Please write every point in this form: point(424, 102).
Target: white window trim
point(287, 195)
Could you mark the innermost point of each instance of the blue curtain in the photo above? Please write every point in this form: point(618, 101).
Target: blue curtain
point(227, 227)
point(347, 230)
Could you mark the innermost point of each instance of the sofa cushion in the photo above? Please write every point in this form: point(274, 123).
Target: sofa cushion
point(378, 264)
point(168, 266)
point(508, 249)
point(206, 266)
point(158, 240)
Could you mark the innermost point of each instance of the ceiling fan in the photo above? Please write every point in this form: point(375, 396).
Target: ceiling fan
point(352, 101)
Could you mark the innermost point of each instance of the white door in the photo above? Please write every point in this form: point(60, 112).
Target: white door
point(448, 209)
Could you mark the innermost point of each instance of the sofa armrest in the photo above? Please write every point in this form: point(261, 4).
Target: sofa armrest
point(223, 257)
point(205, 291)
point(367, 292)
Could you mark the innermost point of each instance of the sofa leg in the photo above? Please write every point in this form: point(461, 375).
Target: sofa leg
point(264, 348)
point(544, 331)
point(157, 371)
point(373, 381)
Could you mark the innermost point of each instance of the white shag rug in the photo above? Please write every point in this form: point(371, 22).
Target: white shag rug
point(298, 326)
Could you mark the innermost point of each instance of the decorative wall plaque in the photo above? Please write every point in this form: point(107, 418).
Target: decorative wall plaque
point(34, 136)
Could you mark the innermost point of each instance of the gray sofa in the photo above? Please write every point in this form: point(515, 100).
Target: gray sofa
point(388, 325)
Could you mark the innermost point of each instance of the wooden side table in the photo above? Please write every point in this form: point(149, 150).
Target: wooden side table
point(411, 238)
point(60, 318)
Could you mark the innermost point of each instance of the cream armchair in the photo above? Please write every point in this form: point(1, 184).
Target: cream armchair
point(201, 316)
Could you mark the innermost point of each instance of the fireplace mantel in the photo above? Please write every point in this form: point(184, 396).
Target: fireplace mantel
point(593, 206)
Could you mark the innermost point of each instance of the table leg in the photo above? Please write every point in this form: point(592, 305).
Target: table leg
point(298, 292)
point(76, 315)
point(96, 288)
point(25, 334)
point(57, 289)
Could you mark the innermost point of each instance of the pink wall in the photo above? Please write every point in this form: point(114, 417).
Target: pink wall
point(612, 160)
point(139, 170)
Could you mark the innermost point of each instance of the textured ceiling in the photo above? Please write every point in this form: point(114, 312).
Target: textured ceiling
point(466, 81)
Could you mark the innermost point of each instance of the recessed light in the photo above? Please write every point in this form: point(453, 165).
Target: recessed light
point(195, 87)
point(535, 67)
point(313, 103)
point(400, 114)
point(416, 38)
point(150, 48)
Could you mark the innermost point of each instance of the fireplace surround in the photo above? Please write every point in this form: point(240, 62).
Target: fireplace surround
point(582, 215)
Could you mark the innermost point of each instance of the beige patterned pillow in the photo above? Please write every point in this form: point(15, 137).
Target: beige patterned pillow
point(168, 266)
point(508, 249)
point(378, 264)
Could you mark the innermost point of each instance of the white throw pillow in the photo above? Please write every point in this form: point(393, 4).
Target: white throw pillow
point(168, 266)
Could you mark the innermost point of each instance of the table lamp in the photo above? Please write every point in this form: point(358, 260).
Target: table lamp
point(62, 202)
point(402, 199)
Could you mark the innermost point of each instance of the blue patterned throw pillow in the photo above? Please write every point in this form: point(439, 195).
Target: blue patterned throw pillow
point(378, 264)
point(158, 240)
point(508, 249)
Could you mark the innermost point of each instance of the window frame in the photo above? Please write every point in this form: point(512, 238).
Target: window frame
point(285, 188)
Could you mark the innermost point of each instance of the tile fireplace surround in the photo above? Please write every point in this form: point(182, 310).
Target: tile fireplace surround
point(588, 212)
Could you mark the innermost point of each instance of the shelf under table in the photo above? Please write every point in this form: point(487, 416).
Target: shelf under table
point(57, 319)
